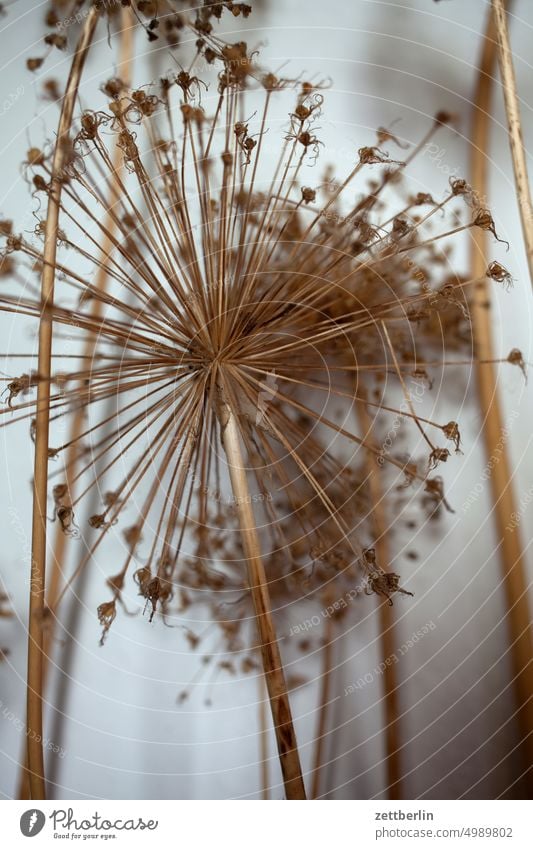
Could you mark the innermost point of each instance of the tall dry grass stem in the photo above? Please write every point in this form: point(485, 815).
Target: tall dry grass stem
point(270, 654)
point(514, 123)
point(386, 622)
point(501, 479)
point(36, 655)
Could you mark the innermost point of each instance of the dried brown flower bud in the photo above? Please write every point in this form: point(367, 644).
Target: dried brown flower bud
point(485, 221)
point(54, 39)
point(35, 156)
point(386, 584)
point(443, 117)
point(498, 272)
point(35, 63)
point(516, 358)
point(106, 613)
point(451, 431)
point(438, 455)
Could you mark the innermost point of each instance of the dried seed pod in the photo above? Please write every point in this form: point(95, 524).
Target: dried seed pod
point(516, 358)
point(438, 455)
point(386, 584)
point(498, 272)
point(451, 431)
point(106, 613)
point(485, 221)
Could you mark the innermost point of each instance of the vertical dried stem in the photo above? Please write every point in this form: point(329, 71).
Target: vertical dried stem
point(325, 690)
point(511, 551)
point(40, 483)
point(272, 664)
point(100, 283)
point(514, 123)
point(60, 539)
point(263, 739)
point(386, 623)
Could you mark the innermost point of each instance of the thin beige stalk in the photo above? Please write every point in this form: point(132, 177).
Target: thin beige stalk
point(40, 484)
point(386, 621)
point(325, 690)
point(272, 664)
point(263, 739)
point(60, 538)
point(514, 123)
point(510, 544)
point(100, 284)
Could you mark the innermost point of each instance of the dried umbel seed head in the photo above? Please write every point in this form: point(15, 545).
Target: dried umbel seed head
point(273, 305)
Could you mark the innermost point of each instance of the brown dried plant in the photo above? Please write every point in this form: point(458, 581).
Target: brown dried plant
point(254, 302)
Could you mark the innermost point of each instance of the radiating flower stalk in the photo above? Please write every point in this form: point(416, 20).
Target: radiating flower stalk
point(249, 294)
